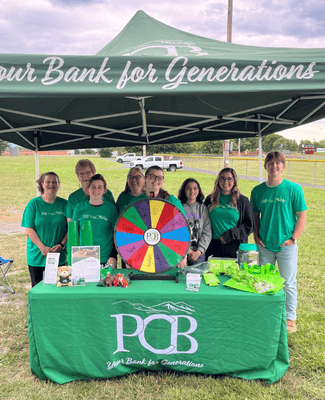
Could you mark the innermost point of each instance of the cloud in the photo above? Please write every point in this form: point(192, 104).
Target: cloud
point(85, 26)
point(78, 27)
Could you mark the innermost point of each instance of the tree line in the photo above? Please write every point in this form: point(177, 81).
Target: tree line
point(272, 142)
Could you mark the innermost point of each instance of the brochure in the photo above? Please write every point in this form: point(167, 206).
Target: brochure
point(85, 262)
point(51, 269)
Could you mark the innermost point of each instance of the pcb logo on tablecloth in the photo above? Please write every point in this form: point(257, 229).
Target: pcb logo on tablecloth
point(180, 311)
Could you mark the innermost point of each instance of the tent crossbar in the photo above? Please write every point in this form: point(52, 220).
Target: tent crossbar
point(174, 114)
point(122, 140)
point(102, 128)
point(319, 97)
point(65, 133)
point(125, 114)
point(164, 139)
point(186, 126)
point(279, 119)
point(229, 131)
point(287, 108)
point(31, 115)
point(221, 124)
point(63, 142)
point(311, 113)
point(17, 132)
point(259, 108)
point(259, 120)
point(30, 127)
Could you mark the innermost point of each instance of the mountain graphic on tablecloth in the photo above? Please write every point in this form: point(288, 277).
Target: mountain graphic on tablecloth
point(165, 307)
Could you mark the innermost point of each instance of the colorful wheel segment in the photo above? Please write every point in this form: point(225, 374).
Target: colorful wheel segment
point(152, 235)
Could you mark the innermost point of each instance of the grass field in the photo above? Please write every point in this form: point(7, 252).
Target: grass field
point(305, 378)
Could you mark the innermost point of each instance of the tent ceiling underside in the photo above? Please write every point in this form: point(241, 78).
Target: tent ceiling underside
point(51, 124)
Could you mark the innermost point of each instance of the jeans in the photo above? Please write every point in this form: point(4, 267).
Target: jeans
point(287, 260)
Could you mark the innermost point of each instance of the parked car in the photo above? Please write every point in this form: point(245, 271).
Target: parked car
point(171, 164)
point(128, 157)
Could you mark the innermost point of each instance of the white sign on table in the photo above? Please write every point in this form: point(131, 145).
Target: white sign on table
point(85, 262)
point(51, 269)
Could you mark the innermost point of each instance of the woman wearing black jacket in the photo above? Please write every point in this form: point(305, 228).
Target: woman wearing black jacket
point(231, 216)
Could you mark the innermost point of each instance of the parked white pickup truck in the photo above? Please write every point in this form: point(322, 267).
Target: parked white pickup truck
point(171, 164)
point(128, 157)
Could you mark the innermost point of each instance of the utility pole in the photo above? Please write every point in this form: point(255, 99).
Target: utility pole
point(229, 34)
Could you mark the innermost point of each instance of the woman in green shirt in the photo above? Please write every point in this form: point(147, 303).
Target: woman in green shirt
point(45, 220)
point(103, 216)
point(231, 216)
point(154, 187)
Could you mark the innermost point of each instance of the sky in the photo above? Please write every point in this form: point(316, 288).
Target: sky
point(83, 27)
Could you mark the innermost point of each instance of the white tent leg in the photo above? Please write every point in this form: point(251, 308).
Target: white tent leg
point(260, 156)
point(36, 161)
point(260, 149)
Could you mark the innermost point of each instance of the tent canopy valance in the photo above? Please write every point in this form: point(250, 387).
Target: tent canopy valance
point(155, 84)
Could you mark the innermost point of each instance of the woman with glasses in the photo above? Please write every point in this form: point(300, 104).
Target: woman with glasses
point(85, 169)
point(231, 216)
point(154, 179)
point(134, 189)
point(154, 189)
point(197, 214)
point(46, 226)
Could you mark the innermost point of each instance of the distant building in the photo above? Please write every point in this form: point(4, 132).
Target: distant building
point(14, 151)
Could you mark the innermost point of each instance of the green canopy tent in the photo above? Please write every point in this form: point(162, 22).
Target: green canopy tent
point(155, 84)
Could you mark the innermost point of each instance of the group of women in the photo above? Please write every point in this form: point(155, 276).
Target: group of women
point(218, 225)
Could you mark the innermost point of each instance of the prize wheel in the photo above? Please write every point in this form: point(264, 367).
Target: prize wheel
point(152, 235)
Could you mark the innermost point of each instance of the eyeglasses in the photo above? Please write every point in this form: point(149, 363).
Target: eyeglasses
point(135, 177)
point(89, 173)
point(154, 177)
point(229, 179)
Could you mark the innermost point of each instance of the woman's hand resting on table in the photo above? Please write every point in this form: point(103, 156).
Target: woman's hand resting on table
point(193, 255)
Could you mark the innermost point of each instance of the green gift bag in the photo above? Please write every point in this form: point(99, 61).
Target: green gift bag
point(73, 238)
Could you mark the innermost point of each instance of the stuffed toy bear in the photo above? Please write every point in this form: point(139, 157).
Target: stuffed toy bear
point(109, 279)
point(64, 276)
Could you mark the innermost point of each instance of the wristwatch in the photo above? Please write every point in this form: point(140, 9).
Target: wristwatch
point(62, 245)
point(293, 239)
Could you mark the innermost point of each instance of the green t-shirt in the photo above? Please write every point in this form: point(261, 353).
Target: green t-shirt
point(79, 196)
point(223, 217)
point(277, 206)
point(176, 202)
point(103, 219)
point(50, 223)
point(125, 199)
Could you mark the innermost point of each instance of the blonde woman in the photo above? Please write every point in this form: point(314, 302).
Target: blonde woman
point(134, 189)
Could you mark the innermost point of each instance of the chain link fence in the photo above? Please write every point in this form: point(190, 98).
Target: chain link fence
point(304, 172)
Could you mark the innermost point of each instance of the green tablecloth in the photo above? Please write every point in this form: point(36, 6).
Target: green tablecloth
point(97, 332)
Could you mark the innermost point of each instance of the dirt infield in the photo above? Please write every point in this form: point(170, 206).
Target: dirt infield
point(11, 228)
point(10, 221)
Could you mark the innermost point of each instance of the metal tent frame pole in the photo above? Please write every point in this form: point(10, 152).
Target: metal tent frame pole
point(260, 149)
point(36, 159)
